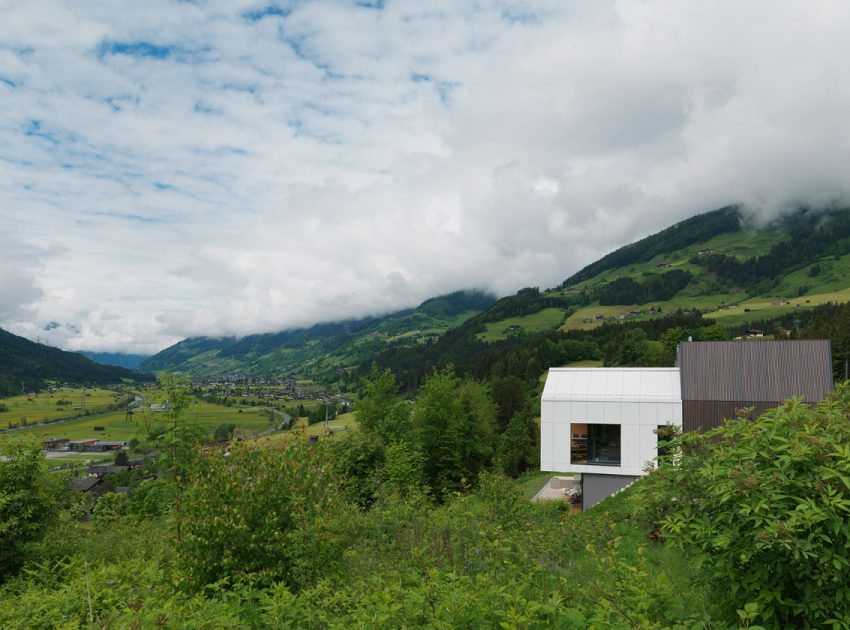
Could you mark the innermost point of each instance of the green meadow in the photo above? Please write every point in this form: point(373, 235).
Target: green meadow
point(118, 426)
point(30, 409)
point(546, 319)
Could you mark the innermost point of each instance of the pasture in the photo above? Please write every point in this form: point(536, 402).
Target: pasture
point(546, 319)
point(346, 420)
point(118, 426)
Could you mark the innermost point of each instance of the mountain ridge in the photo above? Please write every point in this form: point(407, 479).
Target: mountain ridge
point(713, 263)
point(26, 365)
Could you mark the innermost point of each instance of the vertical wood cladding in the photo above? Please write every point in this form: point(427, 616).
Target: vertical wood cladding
point(703, 415)
point(719, 377)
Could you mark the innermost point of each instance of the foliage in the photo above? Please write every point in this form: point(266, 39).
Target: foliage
point(26, 364)
point(518, 447)
point(111, 506)
point(657, 288)
point(380, 412)
point(180, 437)
point(358, 464)
point(453, 424)
point(224, 431)
point(765, 505)
point(260, 514)
point(28, 498)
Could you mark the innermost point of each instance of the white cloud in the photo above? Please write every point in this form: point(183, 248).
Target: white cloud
point(222, 168)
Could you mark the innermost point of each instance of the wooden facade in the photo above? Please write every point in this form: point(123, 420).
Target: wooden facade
point(721, 377)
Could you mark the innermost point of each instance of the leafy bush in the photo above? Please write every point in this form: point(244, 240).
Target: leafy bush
point(28, 498)
point(111, 506)
point(264, 514)
point(766, 506)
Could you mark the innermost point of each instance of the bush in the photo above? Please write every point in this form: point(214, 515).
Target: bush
point(28, 500)
point(766, 505)
point(111, 506)
point(260, 514)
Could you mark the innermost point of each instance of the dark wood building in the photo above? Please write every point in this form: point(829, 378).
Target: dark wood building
point(720, 377)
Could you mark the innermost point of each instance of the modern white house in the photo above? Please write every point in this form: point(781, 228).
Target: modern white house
point(601, 423)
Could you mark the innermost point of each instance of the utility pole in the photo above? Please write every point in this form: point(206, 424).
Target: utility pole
point(327, 429)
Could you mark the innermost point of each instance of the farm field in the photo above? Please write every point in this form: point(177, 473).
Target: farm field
point(118, 427)
point(346, 420)
point(34, 408)
point(546, 319)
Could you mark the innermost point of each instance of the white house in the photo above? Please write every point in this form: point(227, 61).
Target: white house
point(601, 422)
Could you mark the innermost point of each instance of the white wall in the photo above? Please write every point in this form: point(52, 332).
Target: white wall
point(637, 419)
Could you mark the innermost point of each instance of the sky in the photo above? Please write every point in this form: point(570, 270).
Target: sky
point(179, 168)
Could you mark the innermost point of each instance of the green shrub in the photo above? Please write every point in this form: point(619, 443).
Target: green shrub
point(28, 500)
point(111, 506)
point(260, 514)
point(766, 507)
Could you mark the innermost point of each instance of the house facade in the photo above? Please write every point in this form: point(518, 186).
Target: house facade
point(602, 423)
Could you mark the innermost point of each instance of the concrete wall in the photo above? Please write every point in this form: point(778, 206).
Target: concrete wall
point(598, 487)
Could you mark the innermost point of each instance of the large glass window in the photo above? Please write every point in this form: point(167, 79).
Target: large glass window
point(595, 444)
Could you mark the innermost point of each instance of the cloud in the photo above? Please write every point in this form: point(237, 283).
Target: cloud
point(19, 266)
point(237, 167)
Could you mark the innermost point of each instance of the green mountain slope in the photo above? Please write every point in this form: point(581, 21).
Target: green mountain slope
point(26, 364)
point(711, 276)
point(711, 265)
point(326, 351)
point(737, 276)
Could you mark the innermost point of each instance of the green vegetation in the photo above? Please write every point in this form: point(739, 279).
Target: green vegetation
point(546, 319)
point(764, 507)
point(697, 229)
point(408, 523)
point(27, 366)
point(329, 351)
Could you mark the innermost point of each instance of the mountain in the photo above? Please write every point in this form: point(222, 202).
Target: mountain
point(27, 365)
point(713, 268)
point(326, 351)
point(710, 276)
point(129, 361)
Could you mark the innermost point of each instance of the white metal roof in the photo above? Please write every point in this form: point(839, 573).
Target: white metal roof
point(614, 384)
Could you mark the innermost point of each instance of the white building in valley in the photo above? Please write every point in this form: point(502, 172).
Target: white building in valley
point(601, 422)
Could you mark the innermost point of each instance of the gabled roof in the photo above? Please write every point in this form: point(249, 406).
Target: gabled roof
point(84, 484)
point(756, 370)
point(613, 384)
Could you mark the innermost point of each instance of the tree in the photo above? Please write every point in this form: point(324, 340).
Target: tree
point(180, 437)
point(510, 398)
point(121, 458)
point(518, 449)
point(224, 431)
point(27, 503)
point(453, 423)
point(380, 412)
point(717, 332)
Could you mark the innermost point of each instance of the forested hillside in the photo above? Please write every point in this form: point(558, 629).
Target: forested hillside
point(711, 269)
point(326, 351)
point(129, 361)
point(697, 229)
point(26, 365)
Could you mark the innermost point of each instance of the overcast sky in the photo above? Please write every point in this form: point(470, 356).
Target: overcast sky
point(170, 169)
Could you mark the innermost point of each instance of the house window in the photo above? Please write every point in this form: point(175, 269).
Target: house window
point(595, 444)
